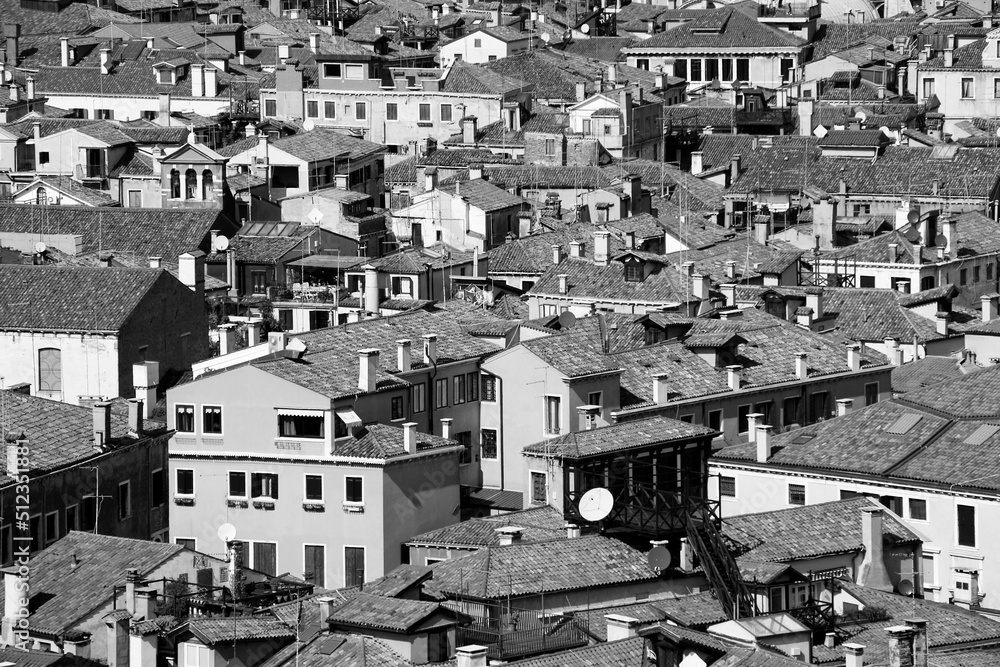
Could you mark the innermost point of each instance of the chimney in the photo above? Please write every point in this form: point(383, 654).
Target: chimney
point(805, 117)
point(763, 443)
point(919, 627)
point(29, 88)
point(854, 357)
point(135, 415)
point(563, 283)
point(446, 423)
point(556, 254)
point(145, 603)
point(630, 240)
point(283, 53)
point(79, 647)
point(12, 31)
point(15, 608)
point(211, 81)
point(825, 222)
point(576, 249)
point(830, 640)
point(155, 262)
point(64, 51)
point(949, 52)
point(132, 579)
point(145, 378)
point(227, 339)
point(660, 80)
point(844, 406)
point(613, 74)
point(733, 374)
point(620, 626)
point(588, 416)
point(942, 323)
point(254, 328)
point(893, 351)
point(367, 370)
point(430, 179)
point(697, 158)
point(371, 289)
point(753, 420)
point(900, 646)
point(102, 424)
point(700, 285)
point(509, 535)
point(470, 126)
point(949, 230)
point(197, 80)
point(892, 252)
point(602, 247)
point(734, 168)
point(872, 572)
point(687, 268)
point(581, 91)
point(163, 116)
point(14, 461)
point(854, 655)
point(430, 349)
point(731, 270)
point(471, 655)
point(403, 357)
point(476, 171)
point(814, 300)
point(105, 61)
point(918, 253)
point(801, 365)
point(661, 388)
point(410, 437)
point(314, 42)
point(903, 286)
point(234, 566)
point(572, 531)
point(729, 291)
point(191, 270)
point(990, 304)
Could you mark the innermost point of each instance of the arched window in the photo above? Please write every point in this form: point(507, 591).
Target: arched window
point(50, 372)
point(191, 184)
point(175, 184)
point(41, 197)
point(206, 184)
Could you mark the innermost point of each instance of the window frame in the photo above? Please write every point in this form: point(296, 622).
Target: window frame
point(418, 397)
point(910, 505)
point(177, 485)
point(548, 428)
point(441, 397)
point(327, 106)
point(458, 389)
point(793, 492)
point(49, 539)
point(392, 112)
point(488, 388)
point(204, 413)
point(969, 94)
point(229, 485)
point(958, 527)
point(265, 476)
point(305, 488)
point(731, 483)
point(127, 485)
point(328, 67)
point(157, 499)
point(347, 490)
point(400, 413)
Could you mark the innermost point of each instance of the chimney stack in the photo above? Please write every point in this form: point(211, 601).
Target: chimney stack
point(471, 655)
point(410, 437)
point(801, 365)
point(697, 162)
point(661, 384)
point(900, 646)
point(446, 427)
point(314, 42)
point(12, 31)
point(102, 424)
point(893, 256)
point(368, 368)
point(572, 531)
point(854, 655)
point(990, 304)
point(254, 328)
point(854, 357)
point(814, 300)
point(602, 247)
point(942, 323)
point(844, 406)
point(734, 168)
point(872, 572)
point(830, 640)
point(430, 179)
point(470, 126)
point(403, 355)
point(211, 81)
point(29, 88)
point(64, 51)
point(132, 579)
point(753, 420)
point(105, 61)
point(145, 603)
point(227, 339)
point(371, 289)
point(145, 379)
point(700, 286)
point(576, 249)
point(563, 283)
point(509, 535)
point(135, 413)
point(763, 443)
point(919, 627)
point(620, 626)
point(430, 349)
point(556, 254)
point(733, 375)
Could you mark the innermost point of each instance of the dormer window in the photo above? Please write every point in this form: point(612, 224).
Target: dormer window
point(633, 271)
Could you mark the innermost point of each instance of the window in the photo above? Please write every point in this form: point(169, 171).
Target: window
point(989, 271)
point(185, 482)
point(966, 526)
point(586, 126)
point(798, 595)
point(459, 394)
point(553, 415)
point(477, 43)
point(862, 209)
point(190, 184)
point(301, 426)
point(72, 517)
point(743, 69)
point(715, 420)
point(284, 177)
point(787, 66)
point(868, 281)
point(237, 484)
point(963, 276)
point(258, 281)
point(50, 372)
point(184, 419)
point(397, 408)
point(312, 108)
point(918, 509)
point(264, 485)
point(696, 69)
point(492, 59)
point(711, 69)
point(354, 566)
point(928, 88)
point(356, 72)
point(743, 419)
point(472, 386)
point(489, 388)
point(157, 488)
point(488, 443)
point(391, 111)
point(796, 494)
point(445, 113)
point(633, 272)
point(871, 393)
point(402, 286)
point(790, 411)
point(424, 112)
point(550, 146)
point(314, 488)
point(51, 527)
point(330, 109)
point(817, 406)
point(175, 184)
point(331, 70)
point(124, 500)
point(211, 422)
point(88, 513)
point(996, 87)
point(595, 398)
point(354, 490)
point(104, 114)
point(314, 559)
point(265, 557)
point(727, 487)
point(893, 503)
point(196, 655)
point(441, 393)
point(418, 399)
point(930, 571)
point(360, 110)
point(976, 276)
point(776, 599)
point(270, 107)
point(538, 490)
point(968, 88)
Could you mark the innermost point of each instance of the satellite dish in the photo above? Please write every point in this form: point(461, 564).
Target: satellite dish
point(905, 587)
point(941, 241)
point(567, 319)
point(912, 235)
point(658, 558)
point(221, 244)
point(40, 247)
point(596, 504)
point(861, 115)
point(820, 131)
point(308, 126)
point(887, 132)
point(227, 532)
point(546, 37)
point(913, 216)
point(585, 28)
point(998, 131)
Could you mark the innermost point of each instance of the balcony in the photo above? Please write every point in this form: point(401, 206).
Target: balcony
point(509, 633)
point(795, 11)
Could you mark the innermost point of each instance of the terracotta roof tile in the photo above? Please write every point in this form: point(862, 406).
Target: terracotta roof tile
point(540, 524)
point(631, 434)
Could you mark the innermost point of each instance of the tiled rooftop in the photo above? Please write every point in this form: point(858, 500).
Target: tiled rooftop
point(539, 524)
point(732, 28)
point(377, 612)
point(342, 650)
point(219, 630)
point(637, 434)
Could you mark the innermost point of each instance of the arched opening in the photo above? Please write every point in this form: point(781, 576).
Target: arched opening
point(175, 184)
point(41, 197)
point(206, 184)
point(191, 184)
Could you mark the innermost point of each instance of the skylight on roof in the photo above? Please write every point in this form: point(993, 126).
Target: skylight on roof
point(982, 434)
point(904, 424)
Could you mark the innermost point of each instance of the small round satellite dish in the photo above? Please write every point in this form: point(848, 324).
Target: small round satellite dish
point(659, 558)
point(596, 504)
point(861, 115)
point(567, 319)
point(221, 244)
point(905, 587)
point(40, 247)
point(585, 28)
point(227, 532)
point(941, 241)
point(912, 235)
point(546, 37)
point(913, 216)
point(308, 126)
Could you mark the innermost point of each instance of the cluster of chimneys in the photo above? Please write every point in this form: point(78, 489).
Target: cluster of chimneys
point(368, 358)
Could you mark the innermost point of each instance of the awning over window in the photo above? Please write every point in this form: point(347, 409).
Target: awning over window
point(349, 416)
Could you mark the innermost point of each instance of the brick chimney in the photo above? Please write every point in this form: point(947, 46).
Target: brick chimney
point(919, 626)
point(367, 369)
point(900, 646)
point(872, 572)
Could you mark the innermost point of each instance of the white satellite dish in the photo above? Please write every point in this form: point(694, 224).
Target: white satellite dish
point(596, 504)
point(585, 28)
point(308, 126)
point(40, 247)
point(887, 132)
point(546, 37)
point(820, 131)
point(227, 532)
point(861, 115)
point(221, 244)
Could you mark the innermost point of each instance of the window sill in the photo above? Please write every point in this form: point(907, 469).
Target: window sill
point(354, 508)
point(186, 501)
point(263, 504)
point(235, 502)
point(314, 507)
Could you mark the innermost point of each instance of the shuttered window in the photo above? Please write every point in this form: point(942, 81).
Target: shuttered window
point(354, 566)
point(265, 557)
point(49, 371)
point(315, 564)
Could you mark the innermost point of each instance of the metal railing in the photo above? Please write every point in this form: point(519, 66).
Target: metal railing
point(509, 633)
